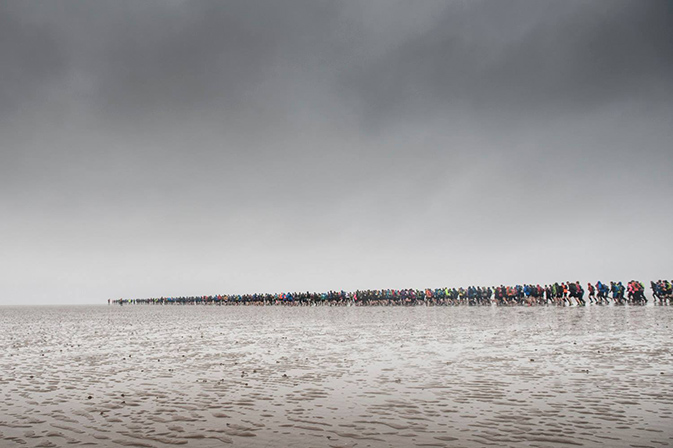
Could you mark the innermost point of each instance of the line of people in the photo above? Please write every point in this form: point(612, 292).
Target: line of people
point(559, 294)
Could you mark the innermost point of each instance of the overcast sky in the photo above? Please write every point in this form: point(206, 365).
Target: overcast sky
point(164, 148)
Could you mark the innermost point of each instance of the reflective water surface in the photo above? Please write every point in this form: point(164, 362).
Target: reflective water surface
point(207, 376)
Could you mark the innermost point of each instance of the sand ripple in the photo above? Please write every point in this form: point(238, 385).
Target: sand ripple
point(335, 377)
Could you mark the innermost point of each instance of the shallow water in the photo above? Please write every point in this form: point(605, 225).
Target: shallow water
point(205, 376)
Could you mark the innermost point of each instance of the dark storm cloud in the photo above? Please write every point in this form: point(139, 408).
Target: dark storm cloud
point(32, 57)
point(193, 58)
point(173, 59)
point(177, 147)
point(527, 57)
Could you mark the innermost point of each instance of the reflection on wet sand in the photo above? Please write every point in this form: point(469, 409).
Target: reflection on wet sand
point(457, 377)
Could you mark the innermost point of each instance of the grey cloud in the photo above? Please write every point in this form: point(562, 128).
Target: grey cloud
point(561, 57)
point(32, 59)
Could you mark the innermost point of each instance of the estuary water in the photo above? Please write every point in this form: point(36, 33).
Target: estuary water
point(209, 376)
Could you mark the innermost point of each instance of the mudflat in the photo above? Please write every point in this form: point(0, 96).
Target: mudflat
point(209, 376)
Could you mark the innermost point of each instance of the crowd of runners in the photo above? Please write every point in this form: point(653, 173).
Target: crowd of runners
point(558, 294)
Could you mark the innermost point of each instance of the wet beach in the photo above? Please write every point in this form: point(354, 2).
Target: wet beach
point(208, 376)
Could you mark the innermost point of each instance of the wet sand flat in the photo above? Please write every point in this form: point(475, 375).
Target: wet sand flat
point(208, 376)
